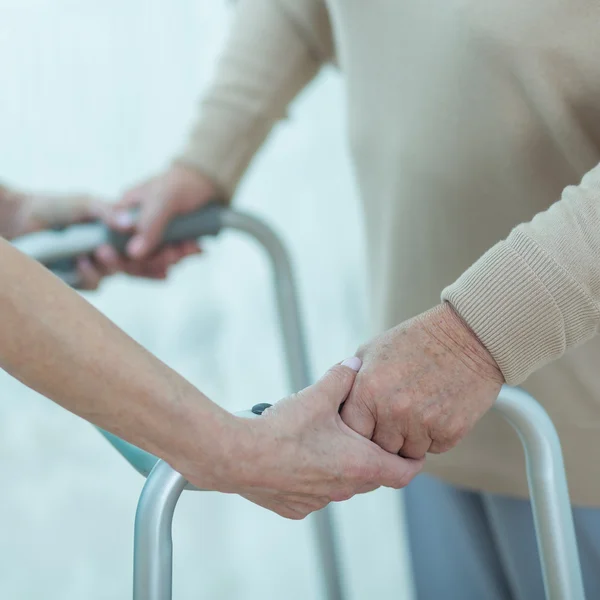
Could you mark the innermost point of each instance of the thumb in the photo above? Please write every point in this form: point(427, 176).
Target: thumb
point(397, 472)
point(153, 218)
point(336, 384)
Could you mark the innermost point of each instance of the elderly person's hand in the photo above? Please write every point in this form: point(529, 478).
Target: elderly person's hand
point(177, 191)
point(423, 385)
point(299, 456)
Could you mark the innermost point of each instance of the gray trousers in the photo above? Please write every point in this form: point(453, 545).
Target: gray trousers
point(474, 546)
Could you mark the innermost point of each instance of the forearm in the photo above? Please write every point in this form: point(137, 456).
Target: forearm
point(274, 49)
point(56, 343)
point(536, 294)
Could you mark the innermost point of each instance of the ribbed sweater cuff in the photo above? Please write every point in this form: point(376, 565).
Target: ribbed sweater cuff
point(221, 148)
point(523, 306)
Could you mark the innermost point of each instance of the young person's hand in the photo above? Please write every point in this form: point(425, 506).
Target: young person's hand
point(299, 456)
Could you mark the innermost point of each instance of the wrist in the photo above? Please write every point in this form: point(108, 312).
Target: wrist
point(204, 187)
point(448, 327)
point(213, 450)
point(209, 185)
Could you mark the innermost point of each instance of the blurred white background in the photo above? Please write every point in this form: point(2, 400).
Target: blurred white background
point(95, 96)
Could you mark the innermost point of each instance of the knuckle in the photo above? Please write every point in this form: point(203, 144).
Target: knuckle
point(448, 439)
point(403, 479)
point(456, 432)
point(400, 482)
point(440, 447)
point(429, 419)
point(320, 503)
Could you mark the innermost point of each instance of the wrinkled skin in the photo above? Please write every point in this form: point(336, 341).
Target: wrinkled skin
point(423, 385)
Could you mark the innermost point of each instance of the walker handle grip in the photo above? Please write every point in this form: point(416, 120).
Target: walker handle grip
point(201, 223)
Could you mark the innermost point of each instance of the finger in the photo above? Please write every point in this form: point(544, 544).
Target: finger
point(157, 266)
point(173, 253)
point(140, 269)
point(294, 512)
point(159, 274)
point(289, 512)
point(89, 276)
point(396, 472)
point(108, 259)
point(167, 258)
point(157, 262)
point(367, 488)
point(336, 384)
point(388, 436)
point(359, 412)
point(415, 446)
point(190, 247)
point(152, 221)
point(121, 217)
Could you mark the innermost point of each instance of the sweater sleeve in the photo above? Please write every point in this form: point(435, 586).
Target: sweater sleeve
point(535, 295)
point(275, 47)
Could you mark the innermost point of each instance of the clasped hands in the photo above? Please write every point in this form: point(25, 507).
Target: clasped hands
point(417, 388)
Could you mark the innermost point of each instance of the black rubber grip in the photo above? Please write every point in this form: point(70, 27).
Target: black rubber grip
point(203, 222)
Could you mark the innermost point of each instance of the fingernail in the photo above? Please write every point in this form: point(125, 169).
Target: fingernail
point(353, 363)
point(135, 248)
point(124, 219)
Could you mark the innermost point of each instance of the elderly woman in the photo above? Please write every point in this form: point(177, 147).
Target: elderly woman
point(295, 460)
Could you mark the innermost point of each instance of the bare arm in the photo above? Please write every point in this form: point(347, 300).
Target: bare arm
point(293, 461)
point(57, 343)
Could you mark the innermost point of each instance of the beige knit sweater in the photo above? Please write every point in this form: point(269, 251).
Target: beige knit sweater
point(465, 119)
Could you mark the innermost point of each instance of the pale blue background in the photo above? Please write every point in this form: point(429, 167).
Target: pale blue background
point(97, 95)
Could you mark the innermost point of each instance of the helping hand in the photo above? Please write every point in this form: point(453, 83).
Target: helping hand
point(299, 456)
